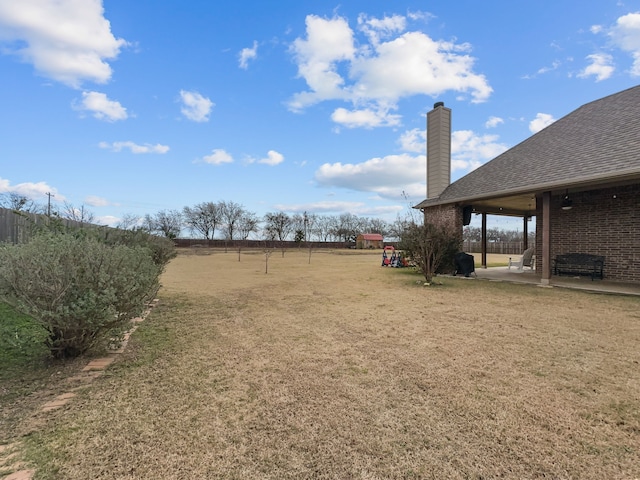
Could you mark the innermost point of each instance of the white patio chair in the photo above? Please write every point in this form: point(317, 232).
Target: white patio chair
point(528, 259)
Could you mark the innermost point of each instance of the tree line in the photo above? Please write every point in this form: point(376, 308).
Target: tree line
point(225, 220)
point(228, 220)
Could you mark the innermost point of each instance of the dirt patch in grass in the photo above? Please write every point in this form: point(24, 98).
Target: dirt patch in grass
point(341, 369)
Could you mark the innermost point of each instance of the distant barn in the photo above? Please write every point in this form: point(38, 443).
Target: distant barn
point(369, 240)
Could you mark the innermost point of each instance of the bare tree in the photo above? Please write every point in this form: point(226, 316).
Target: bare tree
point(166, 222)
point(203, 218)
point(377, 225)
point(348, 227)
point(278, 225)
point(230, 214)
point(17, 202)
point(80, 215)
point(267, 253)
point(322, 227)
point(129, 221)
point(247, 224)
point(429, 244)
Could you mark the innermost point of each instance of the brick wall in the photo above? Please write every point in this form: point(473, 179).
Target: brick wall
point(449, 215)
point(601, 222)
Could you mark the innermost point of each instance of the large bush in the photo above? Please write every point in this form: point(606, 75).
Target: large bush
point(162, 248)
point(430, 247)
point(81, 290)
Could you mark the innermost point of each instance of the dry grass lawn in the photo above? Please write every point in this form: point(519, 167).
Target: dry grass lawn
point(341, 369)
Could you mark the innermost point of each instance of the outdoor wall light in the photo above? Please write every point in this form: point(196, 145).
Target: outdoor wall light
point(567, 203)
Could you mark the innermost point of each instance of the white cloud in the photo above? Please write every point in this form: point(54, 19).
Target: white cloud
point(601, 67)
point(195, 107)
point(626, 35)
point(33, 191)
point(95, 201)
point(554, 66)
point(387, 176)
point(108, 220)
point(469, 150)
point(218, 157)
point(134, 147)
point(273, 158)
point(66, 40)
point(247, 54)
point(101, 107)
point(541, 121)
point(595, 29)
point(327, 42)
point(378, 28)
point(377, 74)
point(364, 118)
point(414, 140)
point(337, 207)
point(493, 122)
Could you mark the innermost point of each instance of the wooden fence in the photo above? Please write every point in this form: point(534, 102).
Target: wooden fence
point(254, 244)
point(510, 248)
point(18, 227)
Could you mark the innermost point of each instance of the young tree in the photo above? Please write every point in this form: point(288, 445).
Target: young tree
point(278, 226)
point(429, 244)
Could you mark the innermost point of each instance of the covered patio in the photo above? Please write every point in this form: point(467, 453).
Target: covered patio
point(504, 274)
point(579, 177)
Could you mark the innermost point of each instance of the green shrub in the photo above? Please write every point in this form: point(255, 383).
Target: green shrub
point(81, 290)
point(162, 249)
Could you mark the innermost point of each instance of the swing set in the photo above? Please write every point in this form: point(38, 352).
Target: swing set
point(396, 259)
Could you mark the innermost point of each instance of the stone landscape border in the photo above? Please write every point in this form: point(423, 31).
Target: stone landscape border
point(10, 453)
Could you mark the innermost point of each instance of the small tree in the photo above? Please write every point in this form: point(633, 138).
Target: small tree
point(430, 245)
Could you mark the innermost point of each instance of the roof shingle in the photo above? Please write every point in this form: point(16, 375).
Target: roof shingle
point(600, 138)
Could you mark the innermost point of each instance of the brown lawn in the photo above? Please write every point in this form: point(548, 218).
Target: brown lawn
point(341, 369)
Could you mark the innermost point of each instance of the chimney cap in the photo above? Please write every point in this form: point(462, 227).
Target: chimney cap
point(438, 104)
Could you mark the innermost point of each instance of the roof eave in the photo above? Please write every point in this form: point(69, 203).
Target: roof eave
point(599, 179)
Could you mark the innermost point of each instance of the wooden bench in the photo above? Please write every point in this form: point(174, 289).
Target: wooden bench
point(579, 264)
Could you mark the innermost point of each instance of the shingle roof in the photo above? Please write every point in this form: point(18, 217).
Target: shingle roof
point(598, 140)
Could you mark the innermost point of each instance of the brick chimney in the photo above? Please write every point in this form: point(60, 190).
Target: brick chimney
point(438, 149)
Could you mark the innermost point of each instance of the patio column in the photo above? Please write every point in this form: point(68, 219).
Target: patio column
point(484, 240)
point(546, 239)
point(525, 233)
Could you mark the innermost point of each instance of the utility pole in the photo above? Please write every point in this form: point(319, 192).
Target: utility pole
point(49, 194)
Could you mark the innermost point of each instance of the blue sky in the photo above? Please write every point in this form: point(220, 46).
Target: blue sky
point(132, 107)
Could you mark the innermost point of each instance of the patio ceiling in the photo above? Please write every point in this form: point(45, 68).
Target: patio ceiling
point(513, 205)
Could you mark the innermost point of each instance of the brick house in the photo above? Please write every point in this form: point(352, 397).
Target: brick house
point(369, 240)
point(579, 177)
